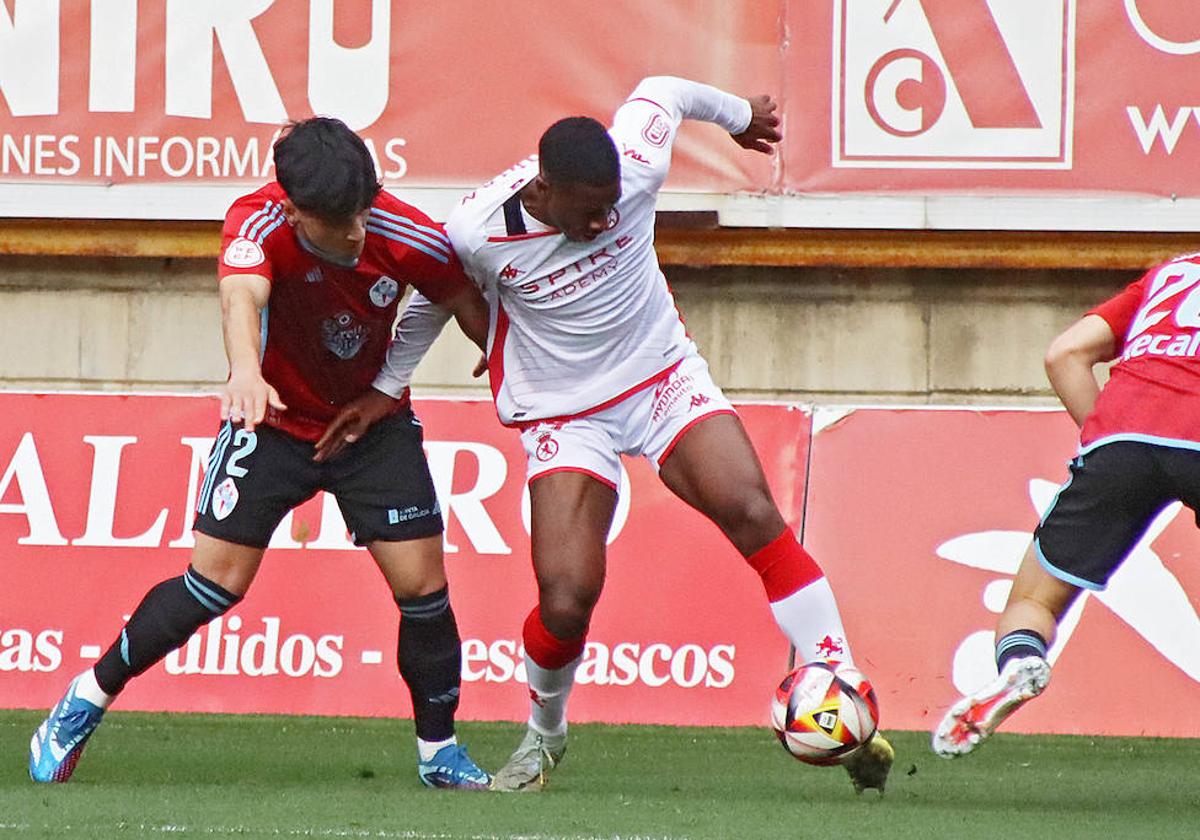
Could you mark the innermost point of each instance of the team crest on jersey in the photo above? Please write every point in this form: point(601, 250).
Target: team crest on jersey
point(244, 253)
point(225, 499)
point(343, 335)
point(547, 447)
point(384, 291)
point(657, 131)
point(314, 275)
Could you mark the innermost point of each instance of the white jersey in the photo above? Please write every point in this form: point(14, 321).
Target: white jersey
point(577, 326)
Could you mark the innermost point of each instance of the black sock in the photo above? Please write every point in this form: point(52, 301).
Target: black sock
point(169, 614)
point(430, 660)
point(1017, 644)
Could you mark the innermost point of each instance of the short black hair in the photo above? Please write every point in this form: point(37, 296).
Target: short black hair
point(579, 150)
point(325, 168)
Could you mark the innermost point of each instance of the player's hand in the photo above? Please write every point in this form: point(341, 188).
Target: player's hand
point(480, 367)
point(763, 131)
point(352, 422)
point(245, 398)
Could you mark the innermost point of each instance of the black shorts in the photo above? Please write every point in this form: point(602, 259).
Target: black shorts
point(381, 483)
point(1115, 491)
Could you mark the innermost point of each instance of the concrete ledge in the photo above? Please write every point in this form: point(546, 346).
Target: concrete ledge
point(682, 239)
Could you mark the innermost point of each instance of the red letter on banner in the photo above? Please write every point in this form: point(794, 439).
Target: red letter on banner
point(981, 65)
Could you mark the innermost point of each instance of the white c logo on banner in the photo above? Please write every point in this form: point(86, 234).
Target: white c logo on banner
point(1154, 39)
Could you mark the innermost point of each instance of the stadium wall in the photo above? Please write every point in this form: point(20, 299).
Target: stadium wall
point(809, 333)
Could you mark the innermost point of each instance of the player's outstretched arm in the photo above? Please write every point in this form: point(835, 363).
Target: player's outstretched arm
point(246, 395)
point(1071, 359)
point(763, 132)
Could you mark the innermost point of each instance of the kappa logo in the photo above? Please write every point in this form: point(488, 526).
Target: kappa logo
point(946, 84)
point(657, 131)
point(225, 499)
point(547, 447)
point(698, 401)
point(244, 253)
point(511, 272)
point(384, 291)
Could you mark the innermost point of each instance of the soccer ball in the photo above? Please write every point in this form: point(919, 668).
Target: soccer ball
point(823, 711)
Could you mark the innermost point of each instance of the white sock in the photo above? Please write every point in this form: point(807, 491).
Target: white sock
point(548, 691)
point(809, 617)
point(87, 688)
point(428, 749)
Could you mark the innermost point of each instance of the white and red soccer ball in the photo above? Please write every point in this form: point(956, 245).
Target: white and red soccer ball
point(823, 711)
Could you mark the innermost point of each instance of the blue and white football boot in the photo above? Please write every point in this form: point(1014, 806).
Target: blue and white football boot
point(59, 741)
point(451, 767)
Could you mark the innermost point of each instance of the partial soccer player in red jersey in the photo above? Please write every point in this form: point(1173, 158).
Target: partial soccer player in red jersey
point(589, 359)
point(311, 273)
point(1139, 451)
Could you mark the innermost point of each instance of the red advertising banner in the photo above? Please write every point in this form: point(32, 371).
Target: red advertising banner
point(897, 113)
point(95, 499)
point(921, 518)
point(193, 92)
point(1058, 96)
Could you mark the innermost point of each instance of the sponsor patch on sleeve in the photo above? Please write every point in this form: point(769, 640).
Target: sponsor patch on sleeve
point(244, 253)
point(657, 131)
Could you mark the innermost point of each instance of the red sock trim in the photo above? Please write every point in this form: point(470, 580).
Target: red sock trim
point(784, 566)
point(546, 649)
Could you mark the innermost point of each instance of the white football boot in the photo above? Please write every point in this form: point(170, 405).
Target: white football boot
point(527, 766)
point(975, 717)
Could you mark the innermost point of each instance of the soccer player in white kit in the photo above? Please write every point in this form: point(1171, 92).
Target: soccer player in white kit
point(588, 358)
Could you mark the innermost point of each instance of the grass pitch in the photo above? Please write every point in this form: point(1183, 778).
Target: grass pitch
point(151, 776)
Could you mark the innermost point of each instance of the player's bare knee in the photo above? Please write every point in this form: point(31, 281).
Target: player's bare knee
point(566, 612)
point(751, 519)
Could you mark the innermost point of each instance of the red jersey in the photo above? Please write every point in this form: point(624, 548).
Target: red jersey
point(1153, 394)
point(326, 327)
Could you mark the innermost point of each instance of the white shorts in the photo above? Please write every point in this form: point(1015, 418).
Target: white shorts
point(649, 422)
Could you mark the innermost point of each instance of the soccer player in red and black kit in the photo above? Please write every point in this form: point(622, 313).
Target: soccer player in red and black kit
point(1139, 451)
point(313, 267)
